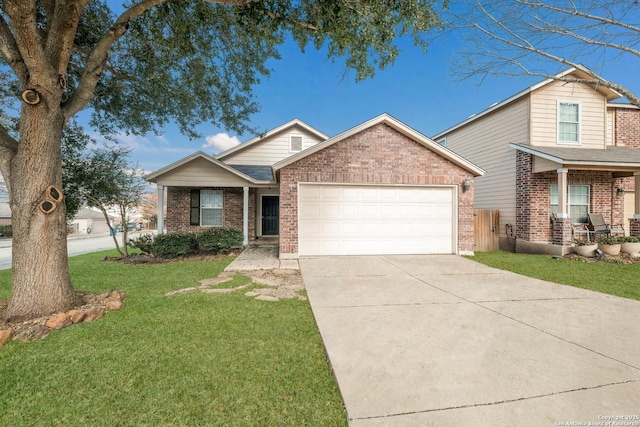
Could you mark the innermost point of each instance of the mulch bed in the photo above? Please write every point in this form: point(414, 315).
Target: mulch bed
point(623, 258)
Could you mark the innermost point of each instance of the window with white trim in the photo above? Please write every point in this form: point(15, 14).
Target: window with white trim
point(295, 143)
point(206, 208)
point(442, 141)
point(568, 122)
point(577, 202)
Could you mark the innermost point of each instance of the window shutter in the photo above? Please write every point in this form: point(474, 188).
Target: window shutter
point(194, 211)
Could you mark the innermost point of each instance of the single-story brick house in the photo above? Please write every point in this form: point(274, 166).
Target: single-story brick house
point(378, 188)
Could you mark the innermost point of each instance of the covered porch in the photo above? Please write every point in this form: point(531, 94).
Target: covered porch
point(578, 182)
point(200, 192)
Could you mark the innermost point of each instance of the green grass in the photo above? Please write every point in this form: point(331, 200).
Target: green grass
point(188, 360)
point(615, 279)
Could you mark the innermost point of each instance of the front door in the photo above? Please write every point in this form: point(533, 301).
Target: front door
point(270, 217)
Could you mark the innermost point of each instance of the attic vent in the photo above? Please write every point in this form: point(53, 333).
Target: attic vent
point(295, 143)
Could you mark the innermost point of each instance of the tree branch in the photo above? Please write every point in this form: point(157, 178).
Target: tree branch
point(10, 52)
point(62, 26)
point(576, 12)
point(7, 141)
point(563, 32)
point(22, 18)
point(8, 149)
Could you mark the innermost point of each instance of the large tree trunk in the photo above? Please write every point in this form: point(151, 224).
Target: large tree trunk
point(41, 284)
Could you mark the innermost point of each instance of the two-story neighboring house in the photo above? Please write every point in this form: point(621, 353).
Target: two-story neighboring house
point(553, 153)
point(377, 188)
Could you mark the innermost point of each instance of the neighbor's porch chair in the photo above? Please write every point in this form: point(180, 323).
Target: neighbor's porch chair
point(598, 226)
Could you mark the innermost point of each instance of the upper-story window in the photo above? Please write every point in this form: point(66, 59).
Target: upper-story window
point(295, 143)
point(568, 122)
point(442, 141)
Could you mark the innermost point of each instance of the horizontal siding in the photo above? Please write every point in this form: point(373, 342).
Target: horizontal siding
point(485, 142)
point(609, 131)
point(272, 149)
point(200, 173)
point(544, 105)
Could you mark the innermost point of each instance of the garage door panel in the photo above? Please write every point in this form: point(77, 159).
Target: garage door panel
point(351, 219)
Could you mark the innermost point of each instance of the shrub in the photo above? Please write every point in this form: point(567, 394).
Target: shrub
point(630, 239)
point(606, 239)
point(144, 242)
point(174, 244)
point(219, 239)
point(6, 230)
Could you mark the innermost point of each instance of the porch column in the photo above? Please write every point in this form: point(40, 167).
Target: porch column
point(562, 227)
point(636, 213)
point(160, 209)
point(562, 193)
point(245, 216)
point(634, 223)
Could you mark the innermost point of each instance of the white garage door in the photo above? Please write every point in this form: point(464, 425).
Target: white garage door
point(370, 220)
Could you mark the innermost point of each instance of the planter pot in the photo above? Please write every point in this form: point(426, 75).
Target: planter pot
point(610, 249)
point(586, 250)
point(632, 249)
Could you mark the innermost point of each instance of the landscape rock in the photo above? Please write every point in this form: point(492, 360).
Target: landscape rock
point(76, 316)
point(113, 304)
point(93, 314)
point(59, 321)
point(5, 336)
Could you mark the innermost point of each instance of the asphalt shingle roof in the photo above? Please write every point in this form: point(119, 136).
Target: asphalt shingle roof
point(621, 155)
point(257, 172)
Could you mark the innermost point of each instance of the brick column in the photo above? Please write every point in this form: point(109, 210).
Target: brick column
point(562, 232)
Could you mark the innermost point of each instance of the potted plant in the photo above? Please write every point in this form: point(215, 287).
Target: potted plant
point(609, 244)
point(630, 245)
point(585, 248)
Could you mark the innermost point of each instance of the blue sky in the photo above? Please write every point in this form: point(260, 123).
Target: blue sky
point(419, 90)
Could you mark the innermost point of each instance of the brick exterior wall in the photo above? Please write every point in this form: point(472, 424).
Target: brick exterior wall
point(377, 155)
point(177, 219)
point(627, 133)
point(533, 204)
point(627, 125)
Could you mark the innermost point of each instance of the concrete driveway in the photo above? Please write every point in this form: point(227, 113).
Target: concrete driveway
point(444, 341)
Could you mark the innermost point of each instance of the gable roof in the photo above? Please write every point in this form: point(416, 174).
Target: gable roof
point(610, 94)
point(396, 125)
point(153, 176)
point(274, 131)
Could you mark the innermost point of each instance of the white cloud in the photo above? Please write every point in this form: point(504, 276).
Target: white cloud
point(221, 142)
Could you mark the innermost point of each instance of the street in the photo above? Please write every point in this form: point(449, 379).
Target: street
point(75, 246)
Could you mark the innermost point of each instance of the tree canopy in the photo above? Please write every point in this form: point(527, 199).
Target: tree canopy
point(193, 61)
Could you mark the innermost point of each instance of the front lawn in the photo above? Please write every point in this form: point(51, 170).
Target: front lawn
point(616, 279)
point(189, 360)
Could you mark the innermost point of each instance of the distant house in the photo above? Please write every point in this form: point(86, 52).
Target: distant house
point(554, 153)
point(378, 188)
point(89, 221)
point(5, 213)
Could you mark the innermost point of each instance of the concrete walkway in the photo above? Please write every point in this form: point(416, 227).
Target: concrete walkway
point(261, 255)
point(444, 341)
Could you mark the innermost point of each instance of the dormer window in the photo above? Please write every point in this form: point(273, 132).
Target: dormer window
point(568, 122)
point(295, 143)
